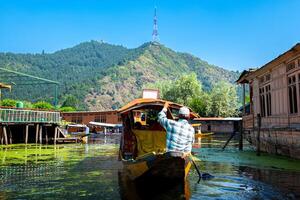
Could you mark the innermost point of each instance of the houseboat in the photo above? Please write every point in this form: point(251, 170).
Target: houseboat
point(272, 122)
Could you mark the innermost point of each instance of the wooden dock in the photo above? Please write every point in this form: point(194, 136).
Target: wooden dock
point(25, 125)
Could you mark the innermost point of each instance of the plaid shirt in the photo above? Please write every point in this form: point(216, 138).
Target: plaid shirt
point(180, 134)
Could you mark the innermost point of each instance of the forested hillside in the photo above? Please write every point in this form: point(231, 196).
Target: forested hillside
point(104, 76)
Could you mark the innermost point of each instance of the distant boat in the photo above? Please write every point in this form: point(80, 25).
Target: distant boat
point(143, 144)
point(78, 130)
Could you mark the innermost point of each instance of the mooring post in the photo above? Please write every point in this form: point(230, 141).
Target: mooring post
point(55, 134)
point(241, 136)
point(1, 135)
point(5, 135)
point(36, 133)
point(46, 134)
point(10, 136)
point(41, 134)
point(26, 134)
point(258, 135)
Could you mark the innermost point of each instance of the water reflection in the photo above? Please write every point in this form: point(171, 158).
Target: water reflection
point(152, 190)
point(92, 171)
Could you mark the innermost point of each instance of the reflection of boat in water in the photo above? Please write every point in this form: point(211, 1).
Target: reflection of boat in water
point(142, 146)
point(145, 189)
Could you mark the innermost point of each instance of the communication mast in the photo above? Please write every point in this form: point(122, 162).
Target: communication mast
point(155, 37)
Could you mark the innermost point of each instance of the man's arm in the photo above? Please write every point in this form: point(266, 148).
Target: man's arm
point(162, 116)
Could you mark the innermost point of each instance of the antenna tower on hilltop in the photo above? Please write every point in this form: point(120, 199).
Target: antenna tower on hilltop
point(155, 37)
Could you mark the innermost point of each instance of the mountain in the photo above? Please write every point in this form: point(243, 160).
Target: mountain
point(104, 76)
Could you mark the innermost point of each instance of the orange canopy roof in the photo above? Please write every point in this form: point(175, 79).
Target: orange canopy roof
point(136, 103)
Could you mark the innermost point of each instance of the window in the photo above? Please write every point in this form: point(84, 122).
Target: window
point(119, 118)
point(298, 62)
point(292, 94)
point(262, 101)
point(290, 66)
point(268, 77)
point(77, 119)
point(265, 78)
point(265, 101)
point(100, 118)
point(261, 79)
point(268, 99)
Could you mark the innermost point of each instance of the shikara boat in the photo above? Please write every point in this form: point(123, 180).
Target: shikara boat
point(199, 133)
point(143, 145)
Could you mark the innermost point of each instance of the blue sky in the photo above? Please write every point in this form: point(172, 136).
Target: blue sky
point(234, 34)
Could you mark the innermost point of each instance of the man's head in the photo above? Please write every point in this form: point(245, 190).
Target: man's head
point(184, 113)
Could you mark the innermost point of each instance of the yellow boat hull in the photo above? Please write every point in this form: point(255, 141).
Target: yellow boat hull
point(161, 174)
point(158, 166)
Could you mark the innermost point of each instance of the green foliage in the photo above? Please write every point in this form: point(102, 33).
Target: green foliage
point(185, 88)
point(43, 105)
point(8, 103)
point(247, 98)
point(201, 104)
point(67, 109)
point(27, 104)
point(224, 100)
point(221, 101)
point(70, 101)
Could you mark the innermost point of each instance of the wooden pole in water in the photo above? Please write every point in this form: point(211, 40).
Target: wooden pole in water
point(1, 135)
point(41, 134)
point(241, 123)
point(36, 133)
point(26, 134)
point(10, 136)
point(241, 135)
point(55, 134)
point(5, 135)
point(46, 136)
point(258, 135)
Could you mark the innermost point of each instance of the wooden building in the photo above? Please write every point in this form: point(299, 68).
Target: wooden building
point(84, 117)
point(274, 91)
point(218, 124)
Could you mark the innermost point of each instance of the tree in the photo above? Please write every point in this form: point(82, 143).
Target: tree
point(43, 105)
point(201, 104)
point(224, 100)
point(70, 101)
point(180, 91)
point(8, 103)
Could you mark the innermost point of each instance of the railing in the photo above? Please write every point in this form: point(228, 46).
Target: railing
point(22, 116)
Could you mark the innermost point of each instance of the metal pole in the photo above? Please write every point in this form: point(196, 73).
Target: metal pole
point(56, 94)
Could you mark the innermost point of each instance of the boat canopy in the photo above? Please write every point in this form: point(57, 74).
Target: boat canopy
point(77, 125)
point(137, 103)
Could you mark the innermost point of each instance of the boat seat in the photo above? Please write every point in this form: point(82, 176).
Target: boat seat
point(150, 141)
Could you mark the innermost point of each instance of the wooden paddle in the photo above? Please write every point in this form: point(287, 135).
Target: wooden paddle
point(203, 176)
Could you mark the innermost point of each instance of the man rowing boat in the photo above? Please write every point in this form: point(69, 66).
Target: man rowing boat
point(180, 134)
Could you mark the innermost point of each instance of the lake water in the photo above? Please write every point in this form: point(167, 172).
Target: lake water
point(92, 171)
